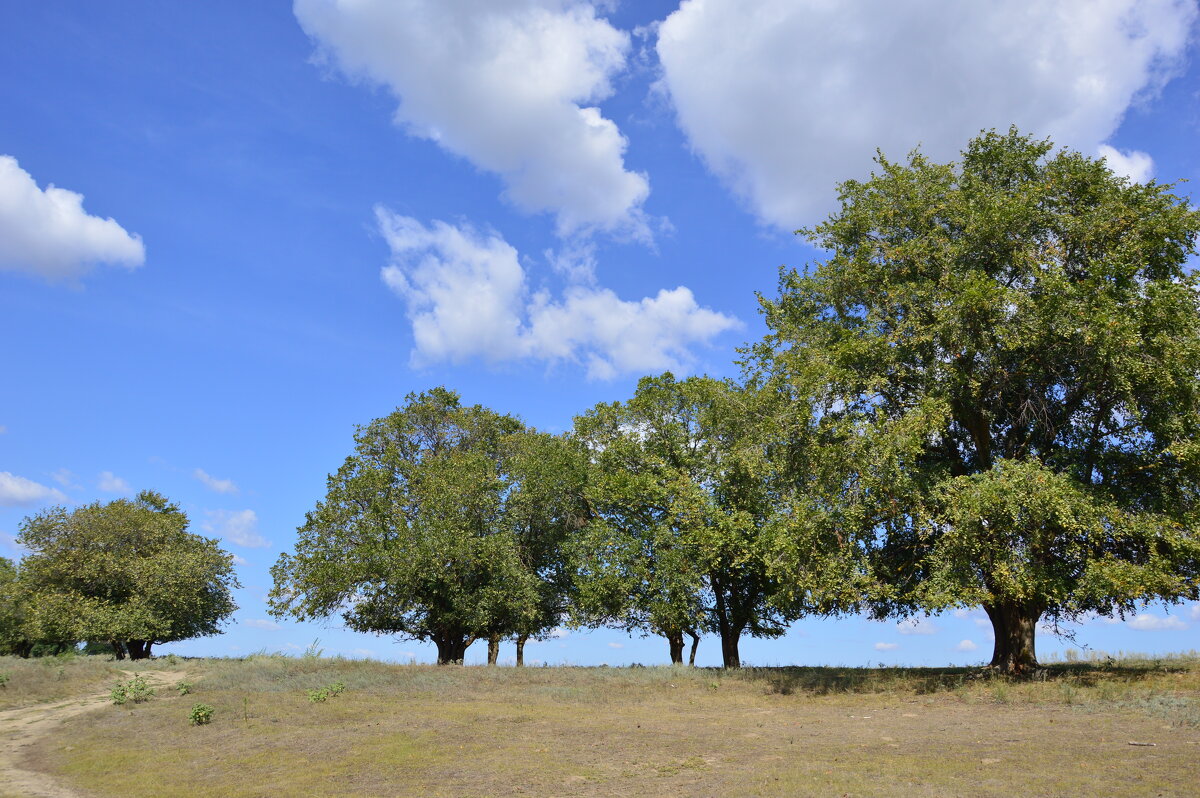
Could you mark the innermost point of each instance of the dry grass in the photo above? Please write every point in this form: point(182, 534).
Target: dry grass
point(422, 730)
point(34, 681)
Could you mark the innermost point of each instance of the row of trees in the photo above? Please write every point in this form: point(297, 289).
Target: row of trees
point(126, 574)
point(987, 395)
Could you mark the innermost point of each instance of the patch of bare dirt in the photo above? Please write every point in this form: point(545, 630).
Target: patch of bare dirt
point(21, 728)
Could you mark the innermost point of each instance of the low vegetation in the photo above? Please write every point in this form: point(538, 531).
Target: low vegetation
point(1111, 726)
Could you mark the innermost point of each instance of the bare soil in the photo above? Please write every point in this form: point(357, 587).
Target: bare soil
point(22, 728)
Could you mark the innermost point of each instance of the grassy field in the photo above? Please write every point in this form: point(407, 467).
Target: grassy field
point(423, 730)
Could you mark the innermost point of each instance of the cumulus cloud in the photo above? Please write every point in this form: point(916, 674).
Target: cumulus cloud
point(111, 483)
point(18, 491)
point(236, 526)
point(1133, 164)
point(48, 233)
point(1148, 622)
point(510, 85)
point(886, 646)
point(468, 297)
point(616, 645)
point(783, 99)
point(265, 625)
point(218, 485)
point(966, 645)
point(558, 632)
point(917, 626)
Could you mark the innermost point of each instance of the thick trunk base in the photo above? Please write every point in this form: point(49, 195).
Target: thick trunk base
point(451, 650)
point(695, 644)
point(729, 651)
point(675, 643)
point(1015, 630)
point(493, 649)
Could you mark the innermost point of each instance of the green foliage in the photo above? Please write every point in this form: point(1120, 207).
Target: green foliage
point(184, 688)
point(323, 694)
point(431, 530)
point(201, 714)
point(688, 506)
point(1002, 357)
point(4, 679)
point(136, 690)
point(125, 571)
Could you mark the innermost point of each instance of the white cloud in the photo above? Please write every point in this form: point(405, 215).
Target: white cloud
point(510, 85)
point(468, 297)
point(218, 485)
point(1133, 164)
point(916, 626)
point(966, 645)
point(18, 491)
point(111, 483)
point(239, 560)
point(886, 646)
point(558, 633)
point(3, 429)
point(1148, 622)
point(64, 477)
point(236, 526)
point(785, 98)
point(1195, 612)
point(616, 645)
point(265, 625)
point(48, 232)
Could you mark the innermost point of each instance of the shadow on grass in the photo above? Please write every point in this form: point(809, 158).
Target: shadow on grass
point(923, 681)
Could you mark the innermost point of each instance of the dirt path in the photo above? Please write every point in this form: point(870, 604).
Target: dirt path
point(20, 728)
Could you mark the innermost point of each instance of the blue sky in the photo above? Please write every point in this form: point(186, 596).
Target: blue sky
point(270, 222)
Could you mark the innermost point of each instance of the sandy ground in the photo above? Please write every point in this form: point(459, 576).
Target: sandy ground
point(21, 728)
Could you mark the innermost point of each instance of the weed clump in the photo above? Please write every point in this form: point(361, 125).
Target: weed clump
point(136, 690)
point(184, 688)
point(201, 714)
point(323, 694)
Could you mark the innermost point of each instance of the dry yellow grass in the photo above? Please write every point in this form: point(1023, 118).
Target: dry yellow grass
point(421, 730)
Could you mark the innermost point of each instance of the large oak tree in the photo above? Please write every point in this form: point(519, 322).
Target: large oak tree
point(1003, 356)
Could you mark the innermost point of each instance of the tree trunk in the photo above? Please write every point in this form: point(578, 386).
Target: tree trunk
point(521, 650)
point(451, 649)
point(729, 649)
point(695, 643)
point(675, 641)
point(493, 649)
point(149, 643)
point(1015, 629)
point(118, 649)
point(137, 649)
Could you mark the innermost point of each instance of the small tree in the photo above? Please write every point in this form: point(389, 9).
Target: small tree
point(127, 572)
point(429, 531)
point(1003, 356)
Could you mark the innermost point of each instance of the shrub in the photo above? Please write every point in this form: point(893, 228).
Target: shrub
point(201, 714)
point(184, 688)
point(325, 693)
point(136, 690)
point(4, 680)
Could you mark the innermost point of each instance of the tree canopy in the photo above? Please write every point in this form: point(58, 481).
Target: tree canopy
point(685, 502)
point(1003, 355)
point(126, 571)
point(442, 526)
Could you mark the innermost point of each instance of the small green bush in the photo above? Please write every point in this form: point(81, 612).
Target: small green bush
point(184, 688)
point(201, 714)
point(136, 690)
point(325, 693)
point(4, 680)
